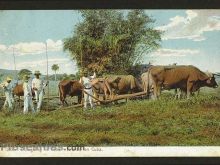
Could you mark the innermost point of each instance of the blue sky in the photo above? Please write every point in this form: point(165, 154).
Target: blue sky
point(190, 37)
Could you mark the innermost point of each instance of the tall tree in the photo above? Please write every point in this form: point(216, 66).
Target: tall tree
point(112, 41)
point(55, 68)
point(23, 72)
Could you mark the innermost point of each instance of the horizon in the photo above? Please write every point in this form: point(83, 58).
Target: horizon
point(191, 37)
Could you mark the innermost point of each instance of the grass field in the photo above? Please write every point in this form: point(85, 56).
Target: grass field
point(165, 122)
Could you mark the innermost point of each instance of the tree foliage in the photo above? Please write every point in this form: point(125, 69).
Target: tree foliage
point(23, 72)
point(69, 77)
point(55, 67)
point(112, 41)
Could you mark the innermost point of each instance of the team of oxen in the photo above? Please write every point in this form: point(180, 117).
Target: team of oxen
point(185, 79)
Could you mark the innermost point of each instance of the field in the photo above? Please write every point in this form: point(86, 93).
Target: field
point(165, 122)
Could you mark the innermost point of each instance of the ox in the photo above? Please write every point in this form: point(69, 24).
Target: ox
point(123, 84)
point(187, 78)
point(18, 91)
point(71, 88)
point(148, 87)
point(101, 87)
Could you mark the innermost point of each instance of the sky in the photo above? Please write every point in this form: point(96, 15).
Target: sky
point(191, 37)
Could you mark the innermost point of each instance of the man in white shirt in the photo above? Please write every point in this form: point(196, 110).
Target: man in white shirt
point(7, 87)
point(86, 81)
point(38, 86)
point(27, 95)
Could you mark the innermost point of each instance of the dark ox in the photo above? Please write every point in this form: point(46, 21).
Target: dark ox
point(187, 78)
point(70, 88)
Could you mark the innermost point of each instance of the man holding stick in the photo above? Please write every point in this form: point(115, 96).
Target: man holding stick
point(7, 87)
point(86, 82)
point(27, 95)
point(38, 86)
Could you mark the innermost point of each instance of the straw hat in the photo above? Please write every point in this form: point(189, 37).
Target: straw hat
point(8, 78)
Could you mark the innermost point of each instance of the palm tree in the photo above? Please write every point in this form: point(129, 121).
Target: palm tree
point(55, 67)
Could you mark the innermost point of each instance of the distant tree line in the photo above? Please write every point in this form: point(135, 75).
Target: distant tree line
point(56, 77)
point(64, 76)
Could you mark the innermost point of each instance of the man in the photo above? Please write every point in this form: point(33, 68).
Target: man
point(27, 95)
point(7, 87)
point(86, 81)
point(38, 86)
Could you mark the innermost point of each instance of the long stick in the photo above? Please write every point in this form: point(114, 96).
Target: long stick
point(119, 97)
point(81, 57)
point(16, 75)
point(107, 101)
point(47, 80)
point(81, 53)
point(75, 106)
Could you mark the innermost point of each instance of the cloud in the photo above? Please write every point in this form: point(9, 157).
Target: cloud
point(6, 64)
point(174, 52)
point(192, 26)
point(27, 48)
point(42, 63)
point(3, 48)
point(68, 65)
point(54, 46)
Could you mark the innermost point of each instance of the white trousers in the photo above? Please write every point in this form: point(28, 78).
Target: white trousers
point(36, 92)
point(9, 101)
point(39, 94)
point(87, 98)
point(28, 103)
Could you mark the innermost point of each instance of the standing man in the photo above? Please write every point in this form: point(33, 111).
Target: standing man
point(27, 95)
point(7, 87)
point(38, 86)
point(86, 81)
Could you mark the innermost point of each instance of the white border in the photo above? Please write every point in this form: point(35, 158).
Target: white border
point(186, 151)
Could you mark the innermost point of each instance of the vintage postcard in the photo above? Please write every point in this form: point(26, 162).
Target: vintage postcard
point(109, 83)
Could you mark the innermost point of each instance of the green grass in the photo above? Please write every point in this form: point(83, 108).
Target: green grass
point(165, 122)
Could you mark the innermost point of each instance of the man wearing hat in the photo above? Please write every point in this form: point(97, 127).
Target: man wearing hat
point(86, 81)
point(27, 95)
point(38, 86)
point(7, 86)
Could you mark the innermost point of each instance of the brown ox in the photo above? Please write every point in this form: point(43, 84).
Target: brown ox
point(148, 87)
point(123, 84)
point(19, 91)
point(101, 87)
point(187, 78)
point(70, 88)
